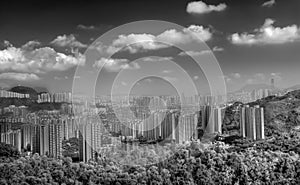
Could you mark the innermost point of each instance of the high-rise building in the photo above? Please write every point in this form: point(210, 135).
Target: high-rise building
point(252, 122)
point(12, 137)
point(89, 139)
point(211, 119)
point(55, 140)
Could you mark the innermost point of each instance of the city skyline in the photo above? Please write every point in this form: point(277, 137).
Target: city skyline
point(41, 48)
point(150, 92)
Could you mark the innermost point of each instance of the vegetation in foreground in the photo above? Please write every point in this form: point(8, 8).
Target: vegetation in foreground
point(245, 162)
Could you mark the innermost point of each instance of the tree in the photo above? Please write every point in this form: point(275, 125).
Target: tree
point(7, 150)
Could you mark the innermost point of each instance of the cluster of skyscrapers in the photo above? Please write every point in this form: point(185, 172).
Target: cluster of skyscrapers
point(55, 97)
point(9, 94)
point(260, 93)
point(42, 134)
point(252, 122)
point(44, 131)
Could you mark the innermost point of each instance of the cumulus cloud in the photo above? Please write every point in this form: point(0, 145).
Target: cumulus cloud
point(19, 76)
point(268, 3)
point(124, 83)
point(250, 81)
point(226, 78)
point(257, 78)
point(114, 65)
point(39, 60)
point(276, 76)
point(156, 59)
point(67, 41)
point(85, 27)
point(7, 43)
point(194, 53)
point(267, 34)
point(199, 53)
point(141, 42)
point(166, 71)
point(199, 7)
point(60, 78)
point(236, 75)
point(217, 49)
point(30, 45)
point(149, 80)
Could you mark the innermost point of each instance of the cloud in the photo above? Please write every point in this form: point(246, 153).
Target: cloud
point(76, 77)
point(267, 34)
point(276, 76)
point(250, 81)
point(40, 60)
point(230, 78)
point(84, 27)
point(30, 45)
point(149, 80)
point(256, 78)
point(268, 3)
point(199, 53)
point(19, 76)
point(259, 76)
point(67, 41)
point(156, 59)
point(194, 53)
point(217, 49)
point(226, 78)
point(166, 71)
point(98, 27)
point(114, 65)
point(236, 75)
point(7, 43)
point(141, 42)
point(187, 35)
point(60, 78)
point(199, 7)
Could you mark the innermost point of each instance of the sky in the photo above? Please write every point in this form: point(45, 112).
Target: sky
point(51, 43)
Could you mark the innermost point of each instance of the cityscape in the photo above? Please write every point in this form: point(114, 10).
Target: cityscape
point(150, 92)
point(44, 131)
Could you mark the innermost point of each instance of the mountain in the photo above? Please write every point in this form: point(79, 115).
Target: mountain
point(251, 87)
point(26, 90)
point(31, 103)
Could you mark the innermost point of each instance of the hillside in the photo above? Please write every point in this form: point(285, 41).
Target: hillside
point(281, 113)
point(31, 103)
point(25, 90)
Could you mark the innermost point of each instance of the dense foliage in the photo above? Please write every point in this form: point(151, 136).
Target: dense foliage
point(71, 148)
point(7, 150)
point(194, 163)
